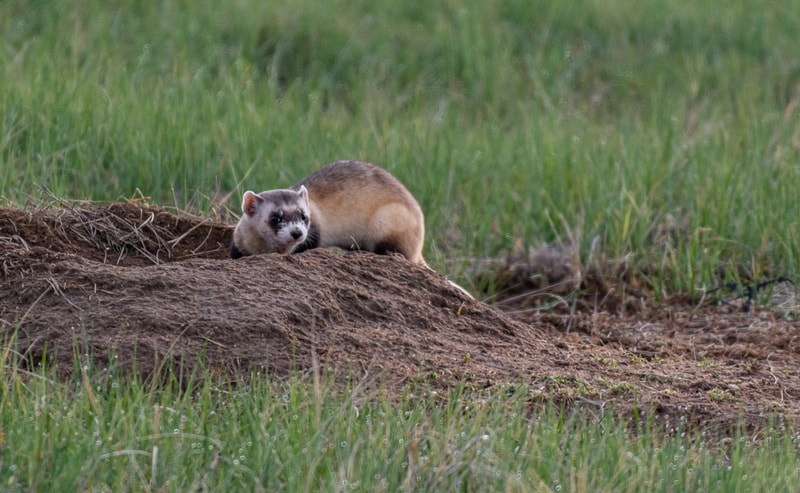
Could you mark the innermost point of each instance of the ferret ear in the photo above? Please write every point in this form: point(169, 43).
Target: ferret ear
point(303, 193)
point(250, 203)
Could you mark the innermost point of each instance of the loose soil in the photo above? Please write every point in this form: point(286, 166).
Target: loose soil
point(126, 287)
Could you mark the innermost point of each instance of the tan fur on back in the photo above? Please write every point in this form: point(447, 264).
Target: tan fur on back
point(359, 205)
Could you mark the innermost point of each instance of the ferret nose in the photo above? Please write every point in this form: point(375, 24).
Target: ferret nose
point(296, 234)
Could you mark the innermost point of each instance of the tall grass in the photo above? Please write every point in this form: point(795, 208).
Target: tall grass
point(664, 129)
point(667, 130)
point(100, 431)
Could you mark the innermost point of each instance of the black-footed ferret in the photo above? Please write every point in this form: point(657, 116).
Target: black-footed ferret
point(347, 204)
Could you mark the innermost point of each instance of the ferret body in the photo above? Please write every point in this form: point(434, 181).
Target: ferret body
point(347, 204)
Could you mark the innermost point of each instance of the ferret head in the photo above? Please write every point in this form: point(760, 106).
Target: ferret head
point(279, 217)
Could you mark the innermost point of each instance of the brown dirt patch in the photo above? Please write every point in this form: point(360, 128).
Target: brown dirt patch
point(123, 283)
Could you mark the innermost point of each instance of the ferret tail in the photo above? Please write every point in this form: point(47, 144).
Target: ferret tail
point(463, 291)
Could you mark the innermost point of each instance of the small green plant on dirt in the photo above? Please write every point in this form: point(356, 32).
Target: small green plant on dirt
point(709, 364)
point(610, 362)
point(614, 387)
point(718, 395)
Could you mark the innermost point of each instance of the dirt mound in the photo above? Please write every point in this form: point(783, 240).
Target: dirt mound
point(129, 287)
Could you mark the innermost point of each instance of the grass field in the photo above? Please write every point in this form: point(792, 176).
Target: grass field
point(111, 434)
point(666, 131)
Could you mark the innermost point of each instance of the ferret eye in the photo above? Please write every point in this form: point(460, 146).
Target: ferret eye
point(303, 216)
point(276, 219)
